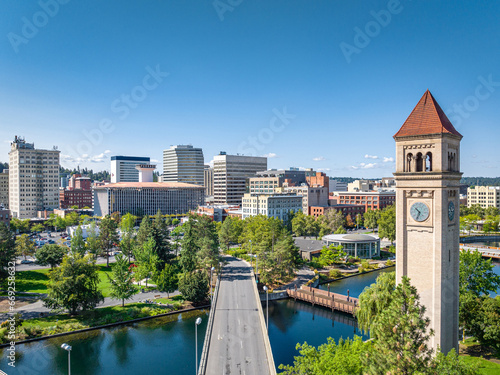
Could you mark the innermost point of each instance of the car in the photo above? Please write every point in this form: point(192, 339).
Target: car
point(26, 261)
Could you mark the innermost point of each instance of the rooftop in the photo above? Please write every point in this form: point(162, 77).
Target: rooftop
point(355, 237)
point(158, 185)
point(427, 118)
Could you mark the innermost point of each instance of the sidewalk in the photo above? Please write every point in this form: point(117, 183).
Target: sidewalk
point(303, 276)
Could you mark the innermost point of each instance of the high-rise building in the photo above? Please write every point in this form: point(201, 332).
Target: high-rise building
point(230, 176)
point(123, 168)
point(184, 163)
point(208, 180)
point(427, 215)
point(4, 188)
point(485, 196)
point(271, 205)
point(33, 179)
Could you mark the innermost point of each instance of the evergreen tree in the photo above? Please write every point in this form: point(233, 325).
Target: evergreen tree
point(122, 286)
point(144, 231)
point(166, 280)
point(159, 231)
point(189, 248)
point(7, 250)
point(401, 335)
point(108, 238)
point(194, 286)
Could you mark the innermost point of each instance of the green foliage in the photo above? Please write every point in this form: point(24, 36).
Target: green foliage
point(305, 225)
point(331, 221)
point(335, 274)
point(189, 248)
point(175, 221)
point(74, 285)
point(452, 364)
point(7, 250)
point(330, 358)
point(77, 242)
point(36, 228)
point(159, 232)
point(166, 281)
point(230, 231)
point(93, 246)
point(108, 237)
point(387, 223)
point(401, 335)
point(121, 280)
point(480, 316)
point(330, 255)
point(50, 255)
point(476, 274)
point(371, 218)
point(146, 261)
point(194, 286)
point(19, 225)
point(375, 299)
point(24, 246)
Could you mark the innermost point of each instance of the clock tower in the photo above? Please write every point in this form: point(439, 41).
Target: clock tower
point(427, 218)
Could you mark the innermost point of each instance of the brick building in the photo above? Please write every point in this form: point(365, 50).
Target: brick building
point(4, 215)
point(370, 200)
point(346, 209)
point(78, 193)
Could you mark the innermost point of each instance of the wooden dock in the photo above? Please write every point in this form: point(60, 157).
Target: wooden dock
point(486, 251)
point(333, 301)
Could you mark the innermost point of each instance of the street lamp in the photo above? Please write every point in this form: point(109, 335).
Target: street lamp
point(68, 349)
point(211, 270)
point(197, 323)
point(257, 267)
point(267, 309)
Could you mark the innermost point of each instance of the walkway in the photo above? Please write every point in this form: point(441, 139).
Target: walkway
point(486, 251)
point(325, 298)
point(238, 344)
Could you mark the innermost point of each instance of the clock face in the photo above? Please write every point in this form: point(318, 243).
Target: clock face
point(451, 211)
point(419, 211)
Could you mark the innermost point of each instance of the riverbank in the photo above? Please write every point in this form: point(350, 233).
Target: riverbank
point(64, 324)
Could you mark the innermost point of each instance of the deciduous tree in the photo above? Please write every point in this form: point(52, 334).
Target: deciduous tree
point(50, 255)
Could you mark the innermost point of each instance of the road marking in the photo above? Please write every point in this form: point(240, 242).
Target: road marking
point(241, 343)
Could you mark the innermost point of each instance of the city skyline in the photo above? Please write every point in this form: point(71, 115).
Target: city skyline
point(309, 86)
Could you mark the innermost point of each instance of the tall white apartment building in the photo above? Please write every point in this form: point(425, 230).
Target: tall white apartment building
point(184, 163)
point(270, 205)
point(123, 168)
point(485, 196)
point(230, 175)
point(33, 179)
point(4, 188)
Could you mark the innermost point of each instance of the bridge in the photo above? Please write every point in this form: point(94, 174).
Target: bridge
point(333, 301)
point(486, 251)
point(237, 341)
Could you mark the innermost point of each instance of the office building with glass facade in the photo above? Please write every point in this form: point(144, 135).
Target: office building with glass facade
point(355, 245)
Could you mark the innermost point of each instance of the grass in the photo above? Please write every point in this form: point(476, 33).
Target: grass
point(37, 281)
point(485, 367)
point(60, 323)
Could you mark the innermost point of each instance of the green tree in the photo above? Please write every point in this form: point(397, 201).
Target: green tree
point(166, 280)
point(230, 231)
point(371, 219)
point(401, 335)
point(175, 222)
point(108, 238)
point(331, 254)
point(37, 228)
point(121, 279)
point(189, 248)
point(144, 231)
point(50, 255)
point(299, 224)
point(159, 231)
point(484, 321)
point(375, 299)
point(24, 246)
point(330, 358)
point(476, 274)
point(451, 364)
point(19, 225)
point(387, 223)
point(359, 220)
point(60, 223)
point(334, 219)
point(146, 261)
point(74, 285)
point(491, 211)
point(77, 242)
point(194, 286)
point(72, 219)
point(7, 250)
point(128, 240)
point(93, 246)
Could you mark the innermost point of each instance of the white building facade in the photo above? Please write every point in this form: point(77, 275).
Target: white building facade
point(33, 179)
point(270, 205)
point(485, 196)
point(4, 188)
point(123, 168)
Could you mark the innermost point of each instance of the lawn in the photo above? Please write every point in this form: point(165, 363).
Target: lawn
point(485, 367)
point(36, 281)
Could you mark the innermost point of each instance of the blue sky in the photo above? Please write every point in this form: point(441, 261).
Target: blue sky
point(322, 84)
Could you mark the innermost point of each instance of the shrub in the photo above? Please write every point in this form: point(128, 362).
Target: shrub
point(334, 274)
point(389, 263)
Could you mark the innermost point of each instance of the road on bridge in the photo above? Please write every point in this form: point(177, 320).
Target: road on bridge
point(237, 343)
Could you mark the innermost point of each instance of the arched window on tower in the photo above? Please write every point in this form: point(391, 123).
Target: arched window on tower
point(420, 162)
point(428, 162)
point(409, 159)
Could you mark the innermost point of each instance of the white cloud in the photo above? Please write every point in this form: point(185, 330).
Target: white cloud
point(365, 166)
point(319, 158)
point(270, 155)
point(387, 160)
point(324, 169)
point(107, 151)
point(155, 161)
point(371, 156)
point(85, 158)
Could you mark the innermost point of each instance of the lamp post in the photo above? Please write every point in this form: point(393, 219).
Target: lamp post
point(68, 349)
point(211, 270)
point(267, 309)
point(257, 267)
point(197, 323)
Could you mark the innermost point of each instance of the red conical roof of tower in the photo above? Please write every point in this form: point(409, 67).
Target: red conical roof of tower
point(426, 118)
